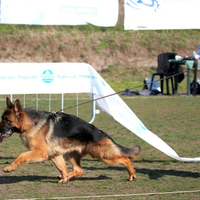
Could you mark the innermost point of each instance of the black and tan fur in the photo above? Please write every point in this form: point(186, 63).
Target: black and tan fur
point(58, 135)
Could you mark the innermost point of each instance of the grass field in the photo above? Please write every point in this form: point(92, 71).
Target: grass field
point(174, 119)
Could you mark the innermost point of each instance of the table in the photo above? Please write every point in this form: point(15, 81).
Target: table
point(189, 64)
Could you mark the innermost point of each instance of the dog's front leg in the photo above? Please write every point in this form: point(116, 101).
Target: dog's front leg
point(61, 166)
point(27, 157)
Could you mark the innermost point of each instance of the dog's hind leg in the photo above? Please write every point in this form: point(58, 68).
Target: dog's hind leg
point(115, 160)
point(61, 166)
point(74, 158)
point(127, 163)
point(111, 154)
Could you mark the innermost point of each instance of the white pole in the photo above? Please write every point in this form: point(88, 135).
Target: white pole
point(24, 101)
point(62, 103)
point(77, 104)
point(49, 102)
point(36, 101)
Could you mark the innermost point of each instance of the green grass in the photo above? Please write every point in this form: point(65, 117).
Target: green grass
point(174, 119)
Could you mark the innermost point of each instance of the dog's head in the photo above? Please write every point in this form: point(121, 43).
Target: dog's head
point(10, 119)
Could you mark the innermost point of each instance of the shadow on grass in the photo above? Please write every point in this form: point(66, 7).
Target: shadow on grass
point(17, 179)
point(158, 173)
point(153, 174)
point(49, 179)
point(91, 178)
point(7, 158)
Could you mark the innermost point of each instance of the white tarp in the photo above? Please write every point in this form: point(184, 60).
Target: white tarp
point(161, 14)
point(60, 12)
point(41, 78)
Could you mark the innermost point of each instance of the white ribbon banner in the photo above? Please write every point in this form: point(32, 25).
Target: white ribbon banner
point(161, 14)
point(41, 78)
point(59, 12)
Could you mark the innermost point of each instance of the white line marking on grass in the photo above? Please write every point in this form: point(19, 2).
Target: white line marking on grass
point(114, 195)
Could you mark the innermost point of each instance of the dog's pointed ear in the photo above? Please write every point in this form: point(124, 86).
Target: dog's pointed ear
point(18, 107)
point(9, 103)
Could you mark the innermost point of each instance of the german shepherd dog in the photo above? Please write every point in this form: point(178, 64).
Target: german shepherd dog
point(58, 136)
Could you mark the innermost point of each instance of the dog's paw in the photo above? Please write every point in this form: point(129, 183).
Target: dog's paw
point(63, 180)
point(132, 177)
point(8, 169)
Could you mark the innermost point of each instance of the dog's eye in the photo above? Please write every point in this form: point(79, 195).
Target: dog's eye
point(6, 119)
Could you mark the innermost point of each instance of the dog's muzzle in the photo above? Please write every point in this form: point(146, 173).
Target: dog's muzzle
point(8, 133)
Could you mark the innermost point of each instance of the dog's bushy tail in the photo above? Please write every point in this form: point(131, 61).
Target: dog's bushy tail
point(132, 153)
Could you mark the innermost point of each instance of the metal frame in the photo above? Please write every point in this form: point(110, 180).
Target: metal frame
point(94, 111)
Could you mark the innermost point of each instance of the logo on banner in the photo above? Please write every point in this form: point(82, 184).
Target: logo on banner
point(138, 4)
point(47, 76)
point(79, 10)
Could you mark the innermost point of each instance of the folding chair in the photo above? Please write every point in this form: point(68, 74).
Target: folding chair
point(164, 70)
